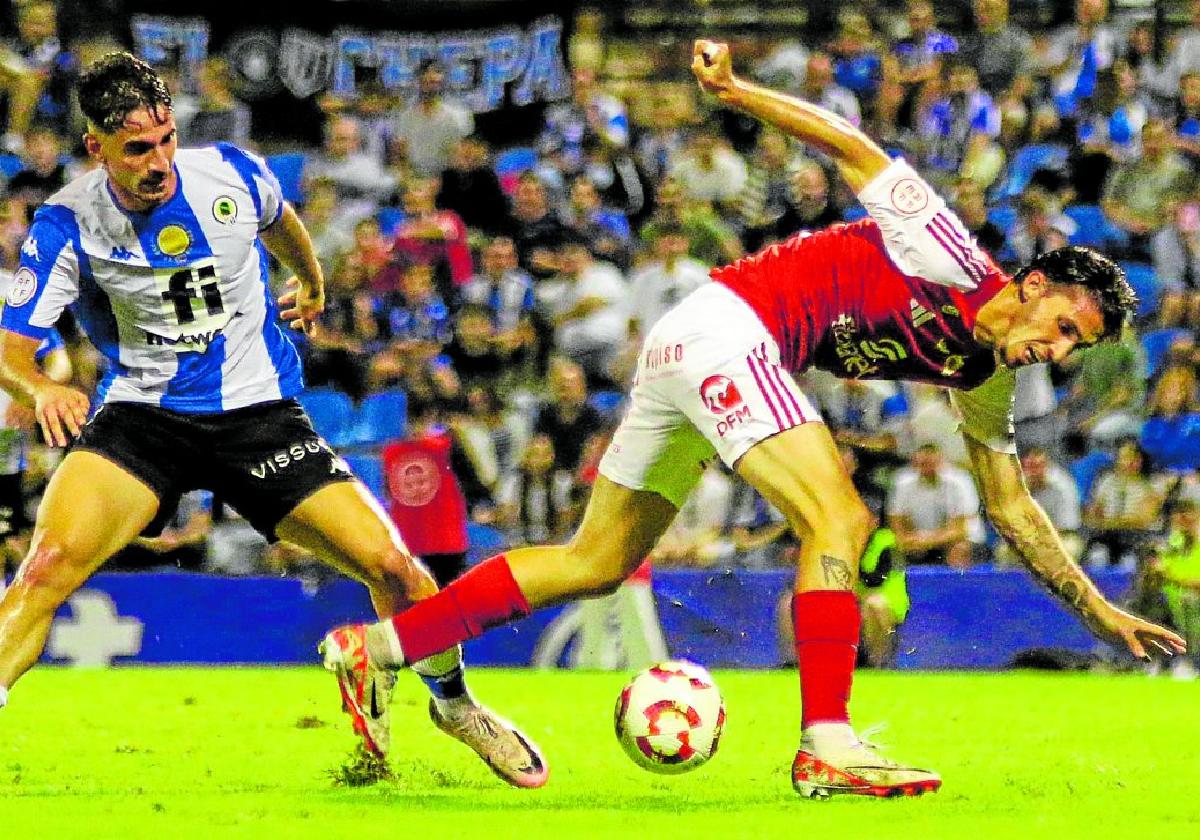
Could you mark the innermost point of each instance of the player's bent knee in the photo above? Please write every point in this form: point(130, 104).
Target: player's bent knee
point(598, 572)
point(397, 570)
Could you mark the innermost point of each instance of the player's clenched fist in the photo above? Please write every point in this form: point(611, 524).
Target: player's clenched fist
point(61, 412)
point(713, 66)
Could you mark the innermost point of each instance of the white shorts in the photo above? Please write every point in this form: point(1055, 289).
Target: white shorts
point(708, 382)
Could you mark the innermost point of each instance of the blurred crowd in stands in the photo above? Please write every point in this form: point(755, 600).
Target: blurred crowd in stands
point(500, 294)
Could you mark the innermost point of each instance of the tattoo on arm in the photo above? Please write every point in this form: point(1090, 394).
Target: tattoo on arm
point(837, 572)
point(1036, 540)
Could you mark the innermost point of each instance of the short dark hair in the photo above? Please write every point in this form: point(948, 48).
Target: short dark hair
point(116, 85)
point(1096, 273)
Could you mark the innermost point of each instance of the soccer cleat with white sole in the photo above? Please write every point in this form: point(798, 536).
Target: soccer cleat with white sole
point(366, 689)
point(858, 771)
point(505, 749)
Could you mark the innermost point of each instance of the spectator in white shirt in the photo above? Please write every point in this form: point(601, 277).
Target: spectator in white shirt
point(428, 129)
point(820, 89)
point(710, 170)
point(658, 285)
point(1056, 493)
point(587, 307)
point(934, 510)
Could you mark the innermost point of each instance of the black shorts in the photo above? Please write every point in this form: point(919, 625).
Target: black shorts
point(263, 460)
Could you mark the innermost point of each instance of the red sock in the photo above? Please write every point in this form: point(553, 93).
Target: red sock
point(485, 597)
point(827, 627)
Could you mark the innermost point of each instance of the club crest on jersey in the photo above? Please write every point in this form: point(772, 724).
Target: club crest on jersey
point(909, 196)
point(225, 210)
point(174, 240)
point(24, 284)
point(29, 248)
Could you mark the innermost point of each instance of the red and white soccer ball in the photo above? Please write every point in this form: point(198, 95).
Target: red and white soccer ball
point(669, 717)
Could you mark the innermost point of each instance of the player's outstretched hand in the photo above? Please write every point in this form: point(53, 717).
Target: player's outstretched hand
point(712, 65)
point(301, 305)
point(1140, 637)
point(61, 412)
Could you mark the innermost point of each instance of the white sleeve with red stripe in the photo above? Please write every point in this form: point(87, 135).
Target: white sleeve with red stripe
point(986, 411)
point(923, 237)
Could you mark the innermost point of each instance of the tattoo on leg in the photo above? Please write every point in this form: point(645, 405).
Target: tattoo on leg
point(837, 572)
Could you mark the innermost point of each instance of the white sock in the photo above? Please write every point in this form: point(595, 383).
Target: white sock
point(827, 738)
point(442, 674)
point(383, 645)
point(3, 697)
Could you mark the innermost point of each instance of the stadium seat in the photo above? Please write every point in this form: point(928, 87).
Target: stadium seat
point(1143, 280)
point(485, 537)
point(1093, 230)
point(1025, 164)
point(369, 469)
point(10, 165)
point(1173, 444)
point(1087, 469)
point(607, 403)
point(1003, 216)
point(381, 418)
point(1156, 343)
point(288, 169)
point(331, 412)
point(515, 161)
point(894, 406)
point(389, 219)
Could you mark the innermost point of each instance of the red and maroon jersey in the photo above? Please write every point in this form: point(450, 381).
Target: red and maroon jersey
point(427, 503)
point(893, 296)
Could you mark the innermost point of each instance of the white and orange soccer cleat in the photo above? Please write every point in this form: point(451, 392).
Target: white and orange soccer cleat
point(858, 770)
point(366, 689)
point(503, 747)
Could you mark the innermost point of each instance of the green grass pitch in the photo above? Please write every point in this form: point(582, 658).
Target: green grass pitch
point(216, 753)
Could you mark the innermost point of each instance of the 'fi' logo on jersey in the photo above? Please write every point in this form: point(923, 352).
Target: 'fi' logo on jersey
point(225, 210)
point(174, 240)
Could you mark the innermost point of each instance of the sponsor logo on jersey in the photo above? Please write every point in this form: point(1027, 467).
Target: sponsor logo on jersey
point(225, 210)
point(200, 340)
point(30, 249)
point(24, 285)
point(720, 394)
point(920, 315)
point(845, 345)
point(909, 196)
point(174, 240)
point(415, 480)
point(119, 253)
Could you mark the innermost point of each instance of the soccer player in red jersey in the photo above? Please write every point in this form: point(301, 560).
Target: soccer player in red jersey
point(903, 294)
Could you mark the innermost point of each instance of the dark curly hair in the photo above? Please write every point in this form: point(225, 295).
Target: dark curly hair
point(117, 84)
point(1096, 273)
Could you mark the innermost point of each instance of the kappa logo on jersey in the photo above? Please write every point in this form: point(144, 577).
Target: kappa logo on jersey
point(30, 249)
point(909, 196)
point(119, 253)
point(24, 285)
point(225, 210)
point(173, 240)
point(415, 481)
point(720, 394)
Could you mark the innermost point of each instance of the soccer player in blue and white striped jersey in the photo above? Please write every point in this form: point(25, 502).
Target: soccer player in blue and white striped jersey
point(162, 256)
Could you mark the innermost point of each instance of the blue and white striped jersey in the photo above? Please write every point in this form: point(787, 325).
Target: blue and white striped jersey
point(176, 298)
